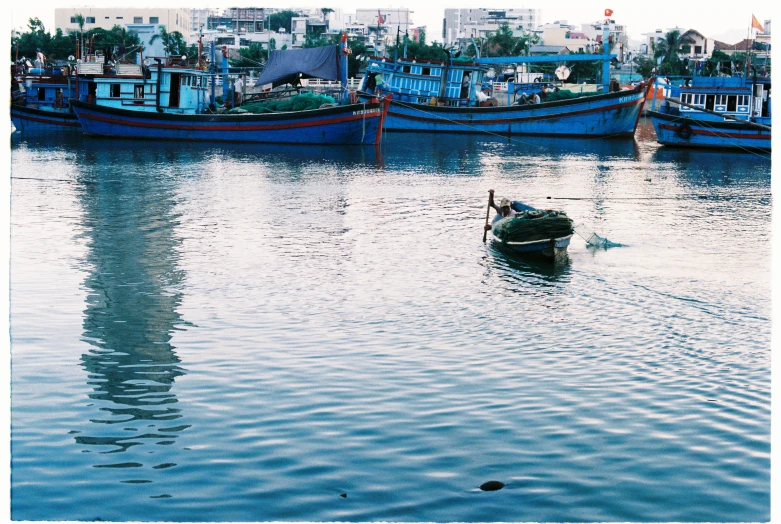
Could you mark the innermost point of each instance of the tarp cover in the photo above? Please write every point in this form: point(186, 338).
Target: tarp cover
point(316, 62)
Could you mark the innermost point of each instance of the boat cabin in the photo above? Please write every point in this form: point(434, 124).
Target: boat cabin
point(423, 81)
point(733, 96)
point(167, 87)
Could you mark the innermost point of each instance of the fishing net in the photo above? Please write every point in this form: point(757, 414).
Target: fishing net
point(594, 240)
point(300, 102)
point(564, 94)
point(533, 225)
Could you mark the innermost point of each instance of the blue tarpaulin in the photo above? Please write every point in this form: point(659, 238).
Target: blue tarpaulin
point(284, 66)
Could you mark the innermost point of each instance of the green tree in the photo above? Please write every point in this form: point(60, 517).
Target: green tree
point(252, 56)
point(668, 50)
point(645, 66)
point(173, 42)
point(589, 71)
point(419, 50)
point(503, 42)
point(281, 20)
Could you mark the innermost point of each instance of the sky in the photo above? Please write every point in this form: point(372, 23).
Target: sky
point(717, 19)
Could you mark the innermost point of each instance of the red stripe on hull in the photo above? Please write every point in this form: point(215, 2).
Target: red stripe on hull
point(517, 119)
point(232, 128)
point(720, 134)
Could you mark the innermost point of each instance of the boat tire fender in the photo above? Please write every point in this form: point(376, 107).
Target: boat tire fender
point(684, 131)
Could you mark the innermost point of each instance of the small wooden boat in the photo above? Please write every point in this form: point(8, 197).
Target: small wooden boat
point(554, 249)
point(534, 233)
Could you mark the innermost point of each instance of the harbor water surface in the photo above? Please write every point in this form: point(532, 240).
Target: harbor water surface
point(252, 333)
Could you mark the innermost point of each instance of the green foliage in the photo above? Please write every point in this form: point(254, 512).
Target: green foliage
point(313, 39)
point(585, 71)
point(281, 20)
point(645, 66)
point(28, 43)
point(419, 50)
point(173, 42)
point(251, 56)
point(668, 50)
point(502, 42)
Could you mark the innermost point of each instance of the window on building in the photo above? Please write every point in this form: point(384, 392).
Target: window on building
point(119, 18)
point(73, 20)
point(154, 20)
point(115, 91)
point(698, 50)
point(138, 19)
point(89, 20)
point(108, 17)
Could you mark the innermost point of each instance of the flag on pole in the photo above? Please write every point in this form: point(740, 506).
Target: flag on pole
point(608, 12)
point(380, 18)
point(755, 24)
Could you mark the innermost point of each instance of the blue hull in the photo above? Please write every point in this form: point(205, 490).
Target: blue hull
point(681, 131)
point(33, 119)
point(611, 114)
point(549, 249)
point(351, 124)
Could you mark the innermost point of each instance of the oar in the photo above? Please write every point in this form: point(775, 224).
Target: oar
point(487, 212)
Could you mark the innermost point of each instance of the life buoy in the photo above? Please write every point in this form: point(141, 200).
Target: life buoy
point(684, 131)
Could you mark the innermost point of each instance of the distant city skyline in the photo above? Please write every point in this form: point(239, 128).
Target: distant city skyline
point(728, 24)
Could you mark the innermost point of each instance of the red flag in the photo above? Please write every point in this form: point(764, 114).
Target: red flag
point(755, 24)
point(608, 12)
point(380, 18)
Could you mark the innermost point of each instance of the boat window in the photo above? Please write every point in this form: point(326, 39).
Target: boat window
point(138, 91)
point(709, 102)
point(41, 94)
point(405, 69)
point(115, 91)
point(732, 103)
point(687, 98)
point(426, 71)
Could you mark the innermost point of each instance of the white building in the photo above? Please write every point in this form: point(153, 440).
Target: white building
point(199, 20)
point(108, 17)
point(470, 23)
point(391, 21)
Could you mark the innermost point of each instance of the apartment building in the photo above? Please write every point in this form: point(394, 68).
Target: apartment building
point(470, 23)
point(65, 18)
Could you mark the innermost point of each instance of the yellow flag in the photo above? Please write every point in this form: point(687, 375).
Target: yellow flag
point(755, 24)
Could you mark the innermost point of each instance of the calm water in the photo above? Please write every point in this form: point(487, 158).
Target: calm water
point(249, 333)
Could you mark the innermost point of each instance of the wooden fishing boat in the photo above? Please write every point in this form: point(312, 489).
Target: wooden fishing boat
point(34, 104)
point(522, 234)
point(716, 112)
point(172, 102)
point(553, 249)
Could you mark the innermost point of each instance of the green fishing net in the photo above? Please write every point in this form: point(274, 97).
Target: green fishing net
point(524, 227)
point(565, 94)
point(301, 102)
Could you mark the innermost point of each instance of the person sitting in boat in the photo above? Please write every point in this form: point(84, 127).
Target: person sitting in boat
point(503, 210)
point(371, 82)
point(534, 98)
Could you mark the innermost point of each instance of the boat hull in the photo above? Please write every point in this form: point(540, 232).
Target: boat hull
point(350, 124)
point(35, 119)
point(606, 115)
point(554, 249)
point(680, 131)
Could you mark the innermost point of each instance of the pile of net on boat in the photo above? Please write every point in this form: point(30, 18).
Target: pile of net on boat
point(564, 94)
point(301, 102)
point(533, 225)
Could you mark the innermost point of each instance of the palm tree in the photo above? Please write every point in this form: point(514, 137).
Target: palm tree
point(80, 21)
point(667, 50)
point(173, 43)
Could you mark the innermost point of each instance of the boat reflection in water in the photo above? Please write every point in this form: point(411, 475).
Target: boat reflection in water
point(515, 268)
point(133, 293)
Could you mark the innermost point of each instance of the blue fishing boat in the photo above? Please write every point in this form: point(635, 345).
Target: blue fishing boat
point(172, 102)
point(430, 96)
point(716, 112)
point(40, 99)
point(450, 96)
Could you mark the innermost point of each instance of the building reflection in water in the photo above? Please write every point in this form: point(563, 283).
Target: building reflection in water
point(133, 289)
